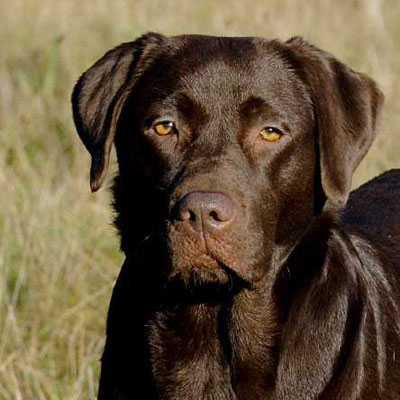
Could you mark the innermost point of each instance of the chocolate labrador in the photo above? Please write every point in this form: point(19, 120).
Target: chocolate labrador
point(246, 274)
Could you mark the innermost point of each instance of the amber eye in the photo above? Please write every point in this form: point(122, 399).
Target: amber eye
point(271, 134)
point(164, 128)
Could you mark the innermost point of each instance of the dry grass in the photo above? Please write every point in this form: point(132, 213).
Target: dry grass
point(58, 255)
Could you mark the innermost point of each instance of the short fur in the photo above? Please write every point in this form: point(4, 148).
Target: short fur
point(298, 297)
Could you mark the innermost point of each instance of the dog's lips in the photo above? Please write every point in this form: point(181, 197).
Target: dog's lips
point(225, 255)
point(206, 262)
point(212, 262)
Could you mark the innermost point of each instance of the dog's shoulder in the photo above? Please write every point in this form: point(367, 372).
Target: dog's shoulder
point(343, 286)
point(373, 213)
point(375, 207)
point(356, 251)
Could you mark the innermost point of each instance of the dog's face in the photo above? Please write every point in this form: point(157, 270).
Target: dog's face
point(227, 147)
point(226, 128)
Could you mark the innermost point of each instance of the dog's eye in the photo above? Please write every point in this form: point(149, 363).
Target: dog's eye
point(271, 134)
point(164, 128)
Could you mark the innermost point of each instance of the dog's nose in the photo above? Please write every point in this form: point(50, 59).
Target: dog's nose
point(206, 211)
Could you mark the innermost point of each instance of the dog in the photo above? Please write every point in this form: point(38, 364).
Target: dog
point(249, 272)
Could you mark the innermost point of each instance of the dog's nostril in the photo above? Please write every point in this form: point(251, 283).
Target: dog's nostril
point(192, 215)
point(221, 215)
point(223, 212)
point(185, 214)
point(214, 215)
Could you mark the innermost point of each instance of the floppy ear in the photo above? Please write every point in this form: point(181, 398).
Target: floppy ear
point(346, 104)
point(99, 96)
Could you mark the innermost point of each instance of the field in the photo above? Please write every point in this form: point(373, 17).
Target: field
point(59, 254)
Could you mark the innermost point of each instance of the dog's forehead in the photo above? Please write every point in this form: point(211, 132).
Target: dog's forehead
point(207, 63)
point(218, 71)
point(236, 52)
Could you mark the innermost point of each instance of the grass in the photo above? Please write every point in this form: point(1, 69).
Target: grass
point(58, 253)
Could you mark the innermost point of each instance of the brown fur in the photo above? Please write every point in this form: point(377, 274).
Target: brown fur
point(294, 298)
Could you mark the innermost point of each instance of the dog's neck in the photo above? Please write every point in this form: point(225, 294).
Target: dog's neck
point(230, 345)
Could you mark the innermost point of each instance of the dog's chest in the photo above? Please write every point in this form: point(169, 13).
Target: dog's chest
point(212, 352)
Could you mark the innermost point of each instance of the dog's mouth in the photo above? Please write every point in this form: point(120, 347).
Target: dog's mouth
point(210, 282)
point(224, 263)
point(209, 262)
point(217, 265)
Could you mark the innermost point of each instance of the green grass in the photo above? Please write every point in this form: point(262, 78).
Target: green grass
point(58, 252)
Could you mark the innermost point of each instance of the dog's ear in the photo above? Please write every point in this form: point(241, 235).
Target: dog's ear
point(346, 105)
point(100, 94)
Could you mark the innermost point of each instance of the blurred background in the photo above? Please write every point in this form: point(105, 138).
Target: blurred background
point(59, 254)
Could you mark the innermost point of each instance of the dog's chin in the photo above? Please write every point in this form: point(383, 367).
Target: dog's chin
point(205, 282)
point(198, 275)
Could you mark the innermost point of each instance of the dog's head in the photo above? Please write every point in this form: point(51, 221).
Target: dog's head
point(227, 147)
